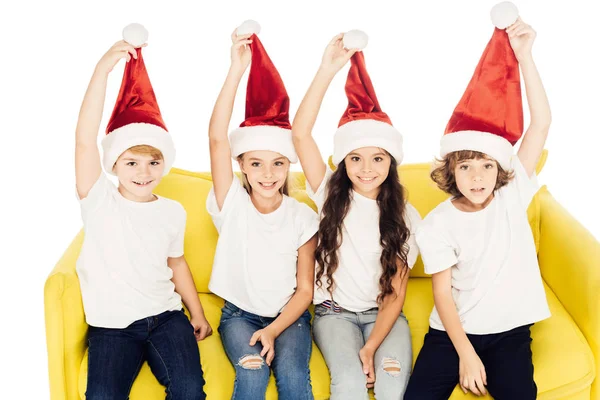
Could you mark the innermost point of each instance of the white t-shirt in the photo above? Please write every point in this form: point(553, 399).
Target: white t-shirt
point(122, 267)
point(256, 256)
point(496, 282)
point(356, 280)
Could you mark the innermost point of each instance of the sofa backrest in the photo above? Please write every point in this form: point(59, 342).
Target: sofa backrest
point(191, 190)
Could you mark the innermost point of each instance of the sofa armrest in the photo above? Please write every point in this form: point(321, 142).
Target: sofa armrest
point(569, 259)
point(66, 328)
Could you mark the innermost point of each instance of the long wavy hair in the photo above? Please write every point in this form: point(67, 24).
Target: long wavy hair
point(393, 230)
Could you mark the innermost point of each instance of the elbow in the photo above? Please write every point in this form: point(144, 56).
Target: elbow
point(305, 295)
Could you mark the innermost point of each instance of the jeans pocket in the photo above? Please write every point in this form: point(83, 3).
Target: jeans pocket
point(321, 310)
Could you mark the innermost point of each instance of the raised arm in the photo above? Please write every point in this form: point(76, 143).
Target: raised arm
point(334, 58)
point(521, 38)
point(220, 150)
point(87, 156)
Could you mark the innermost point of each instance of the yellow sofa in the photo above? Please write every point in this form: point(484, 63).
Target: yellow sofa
point(566, 347)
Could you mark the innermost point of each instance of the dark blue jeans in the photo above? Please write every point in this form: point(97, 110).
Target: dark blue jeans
point(166, 341)
point(290, 365)
point(506, 357)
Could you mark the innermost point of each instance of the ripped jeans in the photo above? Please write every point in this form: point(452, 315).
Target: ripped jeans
point(290, 365)
point(341, 334)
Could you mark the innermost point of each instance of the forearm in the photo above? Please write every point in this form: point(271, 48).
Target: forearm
point(386, 318)
point(90, 114)
point(221, 116)
point(446, 309)
point(539, 107)
point(185, 287)
point(297, 305)
point(311, 104)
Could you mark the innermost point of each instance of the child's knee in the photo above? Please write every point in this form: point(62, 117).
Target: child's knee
point(251, 362)
point(392, 367)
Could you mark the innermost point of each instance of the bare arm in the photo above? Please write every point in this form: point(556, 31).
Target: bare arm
point(185, 287)
point(388, 314)
point(472, 372)
point(296, 306)
point(521, 38)
point(334, 58)
point(220, 150)
point(87, 156)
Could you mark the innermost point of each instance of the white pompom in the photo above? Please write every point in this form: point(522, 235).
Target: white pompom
point(504, 14)
point(248, 27)
point(135, 34)
point(355, 39)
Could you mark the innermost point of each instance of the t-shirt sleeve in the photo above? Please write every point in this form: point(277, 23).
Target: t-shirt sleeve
point(436, 250)
point(102, 190)
point(176, 248)
point(307, 224)
point(414, 220)
point(235, 197)
point(523, 186)
point(318, 196)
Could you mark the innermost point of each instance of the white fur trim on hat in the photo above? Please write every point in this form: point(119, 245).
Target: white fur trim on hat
point(262, 137)
point(118, 141)
point(494, 146)
point(366, 133)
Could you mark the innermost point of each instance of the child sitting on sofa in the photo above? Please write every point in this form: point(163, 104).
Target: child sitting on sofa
point(132, 270)
point(478, 244)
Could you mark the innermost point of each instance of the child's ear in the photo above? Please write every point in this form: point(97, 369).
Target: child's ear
point(241, 164)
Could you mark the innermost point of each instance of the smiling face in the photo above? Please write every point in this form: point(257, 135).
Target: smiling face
point(139, 172)
point(476, 179)
point(266, 172)
point(368, 168)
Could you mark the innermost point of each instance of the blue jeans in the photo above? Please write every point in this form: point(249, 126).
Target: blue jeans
point(166, 341)
point(290, 365)
point(341, 334)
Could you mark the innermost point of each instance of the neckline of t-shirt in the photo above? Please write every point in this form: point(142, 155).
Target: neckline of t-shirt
point(272, 212)
point(364, 198)
point(452, 206)
point(139, 203)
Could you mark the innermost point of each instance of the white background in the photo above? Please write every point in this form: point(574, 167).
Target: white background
point(420, 57)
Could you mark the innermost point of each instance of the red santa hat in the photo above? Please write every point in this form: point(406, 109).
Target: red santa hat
point(136, 118)
point(489, 116)
point(363, 124)
point(267, 124)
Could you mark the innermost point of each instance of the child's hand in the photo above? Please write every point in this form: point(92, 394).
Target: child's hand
point(336, 56)
point(240, 51)
point(202, 328)
point(472, 374)
point(521, 38)
point(267, 339)
point(119, 50)
point(366, 355)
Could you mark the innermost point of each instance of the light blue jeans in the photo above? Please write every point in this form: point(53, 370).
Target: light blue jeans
point(341, 335)
point(290, 365)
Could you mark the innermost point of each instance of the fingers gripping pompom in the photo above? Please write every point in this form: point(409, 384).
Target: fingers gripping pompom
point(504, 14)
point(135, 34)
point(248, 27)
point(355, 39)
